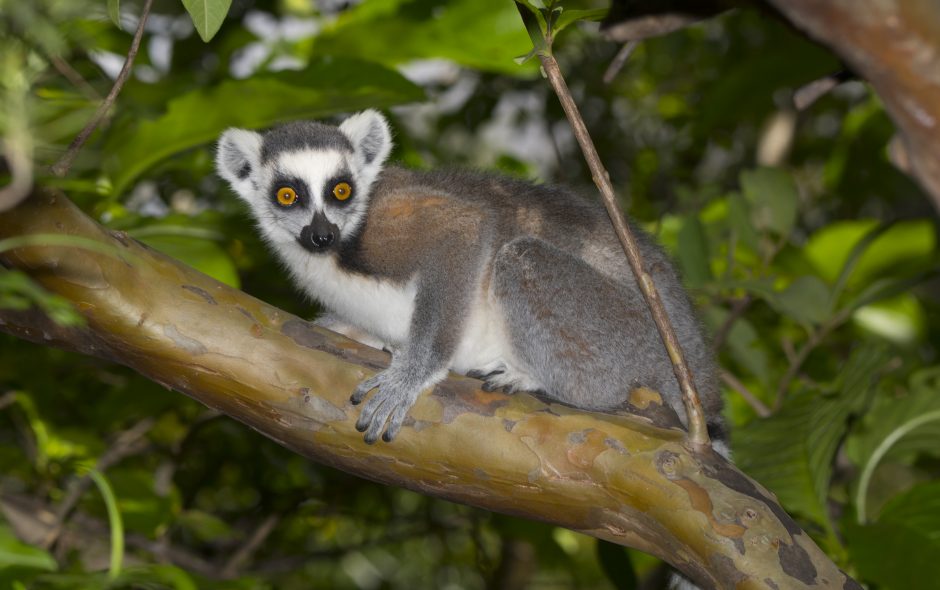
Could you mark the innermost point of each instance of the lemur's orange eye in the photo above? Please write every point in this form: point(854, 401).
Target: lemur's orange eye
point(286, 196)
point(342, 191)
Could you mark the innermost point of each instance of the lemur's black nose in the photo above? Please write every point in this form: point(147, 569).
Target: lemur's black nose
point(322, 241)
point(319, 235)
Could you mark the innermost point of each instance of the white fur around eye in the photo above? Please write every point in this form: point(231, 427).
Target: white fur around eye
point(315, 168)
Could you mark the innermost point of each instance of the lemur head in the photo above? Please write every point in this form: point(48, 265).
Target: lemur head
point(307, 182)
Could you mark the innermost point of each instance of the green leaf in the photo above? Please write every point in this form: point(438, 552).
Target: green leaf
point(739, 214)
point(204, 255)
point(851, 261)
point(903, 247)
point(569, 16)
point(888, 287)
point(899, 551)
point(918, 508)
point(326, 87)
point(894, 556)
point(14, 553)
point(534, 22)
point(114, 12)
point(773, 197)
point(806, 300)
point(479, 34)
point(693, 252)
point(792, 451)
point(207, 15)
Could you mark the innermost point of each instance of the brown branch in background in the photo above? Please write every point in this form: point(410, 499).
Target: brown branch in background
point(244, 553)
point(76, 79)
point(7, 399)
point(806, 95)
point(752, 400)
point(617, 63)
point(129, 442)
point(61, 167)
point(815, 339)
point(698, 434)
point(737, 310)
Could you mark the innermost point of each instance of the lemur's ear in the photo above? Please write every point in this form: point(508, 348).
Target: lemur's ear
point(238, 157)
point(372, 141)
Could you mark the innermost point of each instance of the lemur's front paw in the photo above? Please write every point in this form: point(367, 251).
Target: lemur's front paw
point(390, 404)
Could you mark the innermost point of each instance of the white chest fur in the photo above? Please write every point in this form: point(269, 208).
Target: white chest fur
point(380, 308)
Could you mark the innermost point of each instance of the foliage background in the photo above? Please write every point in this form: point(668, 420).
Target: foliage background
point(813, 260)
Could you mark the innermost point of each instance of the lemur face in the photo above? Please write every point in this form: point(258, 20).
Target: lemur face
point(307, 183)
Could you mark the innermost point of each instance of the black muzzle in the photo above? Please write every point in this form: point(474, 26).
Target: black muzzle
point(320, 235)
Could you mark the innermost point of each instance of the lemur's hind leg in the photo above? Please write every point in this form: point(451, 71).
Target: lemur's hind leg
point(581, 335)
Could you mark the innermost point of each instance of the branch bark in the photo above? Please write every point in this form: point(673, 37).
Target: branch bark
point(625, 479)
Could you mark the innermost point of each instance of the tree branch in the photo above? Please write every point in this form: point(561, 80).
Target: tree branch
point(893, 45)
point(625, 479)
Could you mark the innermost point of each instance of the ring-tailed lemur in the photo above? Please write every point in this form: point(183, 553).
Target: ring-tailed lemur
point(525, 285)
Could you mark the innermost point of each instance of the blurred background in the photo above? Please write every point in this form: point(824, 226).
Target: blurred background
point(813, 260)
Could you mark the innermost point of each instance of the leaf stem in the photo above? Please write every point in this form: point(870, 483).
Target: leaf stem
point(698, 433)
point(114, 519)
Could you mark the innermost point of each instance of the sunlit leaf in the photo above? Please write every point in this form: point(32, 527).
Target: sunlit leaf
point(207, 15)
point(903, 247)
point(570, 16)
point(326, 87)
point(481, 34)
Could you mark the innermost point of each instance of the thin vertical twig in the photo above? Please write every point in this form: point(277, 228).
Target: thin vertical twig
point(698, 432)
point(61, 167)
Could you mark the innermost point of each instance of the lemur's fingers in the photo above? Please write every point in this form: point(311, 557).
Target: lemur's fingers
point(364, 388)
point(395, 422)
point(375, 414)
